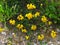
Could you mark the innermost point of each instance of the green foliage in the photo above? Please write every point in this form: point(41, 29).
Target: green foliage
point(11, 8)
point(52, 11)
point(7, 10)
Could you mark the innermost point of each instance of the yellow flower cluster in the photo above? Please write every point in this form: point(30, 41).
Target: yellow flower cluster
point(40, 37)
point(31, 6)
point(37, 14)
point(29, 16)
point(24, 30)
point(53, 34)
point(1, 29)
point(33, 27)
point(26, 37)
point(12, 22)
point(20, 17)
point(44, 19)
point(20, 26)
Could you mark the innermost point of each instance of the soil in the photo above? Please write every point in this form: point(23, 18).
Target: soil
point(15, 41)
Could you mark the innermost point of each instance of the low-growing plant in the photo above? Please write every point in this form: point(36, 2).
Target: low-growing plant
point(31, 17)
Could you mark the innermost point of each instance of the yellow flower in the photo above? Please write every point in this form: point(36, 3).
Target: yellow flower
point(1, 29)
point(53, 34)
point(12, 22)
point(37, 14)
point(24, 30)
point(33, 27)
point(29, 16)
point(49, 22)
point(20, 17)
point(31, 6)
point(44, 19)
point(40, 37)
point(41, 4)
point(26, 37)
point(20, 26)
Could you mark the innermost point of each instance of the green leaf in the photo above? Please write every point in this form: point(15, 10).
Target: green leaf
point(52, 16)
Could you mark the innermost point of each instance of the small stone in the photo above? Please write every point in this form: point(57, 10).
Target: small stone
point(4, 33)
point(58, 42)
point(35, 44)
point(13, 33)
point(52, 44)
point(58, 30)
